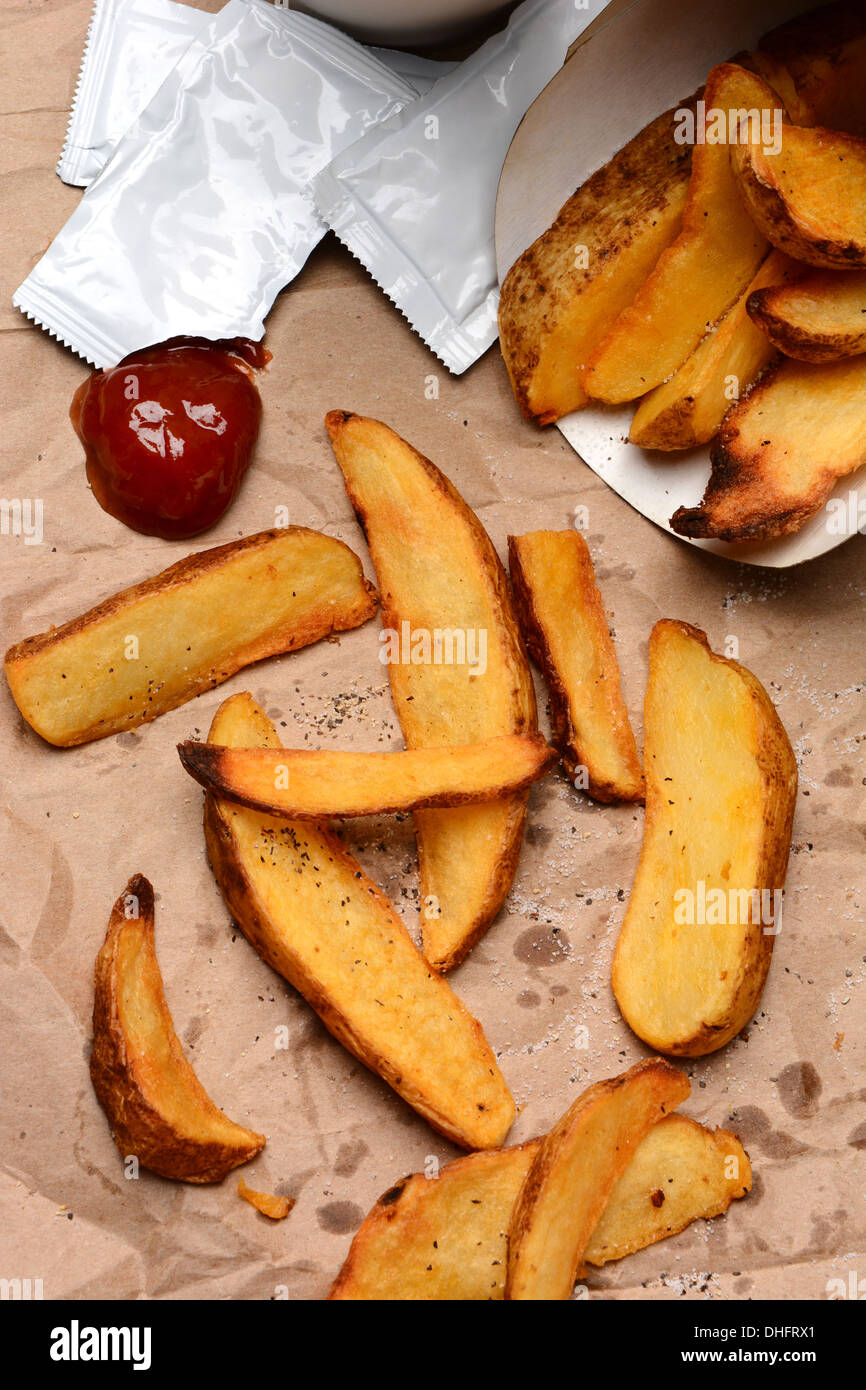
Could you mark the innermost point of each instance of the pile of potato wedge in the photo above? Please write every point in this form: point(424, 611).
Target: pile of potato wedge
point(719, 778)
point(721, 283)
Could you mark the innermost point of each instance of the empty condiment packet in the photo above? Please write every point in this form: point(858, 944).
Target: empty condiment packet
point(204, 213)
point(414, 199)
point(132, 46)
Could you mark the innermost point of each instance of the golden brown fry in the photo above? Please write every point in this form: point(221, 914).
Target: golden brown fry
point(820, 318)
point(152, 647)
point(570, 285)
point(445, 1238)
point(780, 451)
point(680, 1171)
point(311, 912)
point(808, 197)
point(438, 570)
point(702, 273)
point(574, 1173)
point(311, 785)
point(695, 947)
point(268, 1203)
point(688, 410)
point(156, 1106)
point(564, 624)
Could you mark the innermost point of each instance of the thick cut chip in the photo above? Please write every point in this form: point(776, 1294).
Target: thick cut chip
point(687, 410)
point(311, 785)
point(157, 1108)
point(152, 647)
point(562, 616)
point(780, 451)
point(567, 289)
point(310, 911)
point(721, 782)
point(819, 319)
point(574, 1173)
point(706, 269)
point(445, 1238)
point(439, 573)
point(808, 197)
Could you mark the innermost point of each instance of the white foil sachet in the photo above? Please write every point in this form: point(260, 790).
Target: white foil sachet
point(204, 212)
point(414, 199)
point(132, 46)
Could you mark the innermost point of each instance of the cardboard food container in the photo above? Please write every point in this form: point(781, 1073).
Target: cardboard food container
point(636, 62)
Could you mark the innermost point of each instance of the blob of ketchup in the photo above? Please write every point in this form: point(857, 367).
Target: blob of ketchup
point(169, 433)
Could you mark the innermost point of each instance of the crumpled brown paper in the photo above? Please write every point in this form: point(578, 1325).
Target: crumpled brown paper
point(79, 822)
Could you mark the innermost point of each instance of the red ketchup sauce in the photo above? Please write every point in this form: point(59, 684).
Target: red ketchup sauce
point(168, 434)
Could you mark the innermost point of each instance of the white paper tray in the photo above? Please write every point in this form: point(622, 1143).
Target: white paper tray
point(642, 61)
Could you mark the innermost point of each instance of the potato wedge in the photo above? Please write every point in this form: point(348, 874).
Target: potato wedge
point(306, 906)
point(819, 319)
point(780, 451)
point(309, 785)
point(445, 1238)
point(567, 636)
point(150, 648)
point(699, 277)
point(156, 1106)
point(695, 946)
point(688, 409)
point(268, 1203)
point(574, 1173)
point(809, 197)
point(824, 53)
point(680, 1172)
point(439, 570)
point(567, 289)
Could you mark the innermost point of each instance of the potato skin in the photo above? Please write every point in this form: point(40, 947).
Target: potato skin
point(820, 318)
point(467, 856)
point(576, 750)
point(625, 214)
point(123, 1084)
point(453, 1080)
point(778, 215)
point(102, 706)
point(777, 769)
point(780, 449)
point(326, 784)
point(574, 1172)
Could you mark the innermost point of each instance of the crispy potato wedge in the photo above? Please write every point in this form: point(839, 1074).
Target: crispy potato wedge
point(438, 570)
point(156, 1106)
point(687, 410)
point(780, 451)
point(721, 785)
point(824, 53)
point(193, 626)
point(809, 198)
point(681, 1171)
point(268, 1203)
point(310, 911)
point(574, 1172)
point(569, 286)
point(445, 1238)
point(819, 319)
point(699, 277)
point(567, 636)
point(309, 785)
